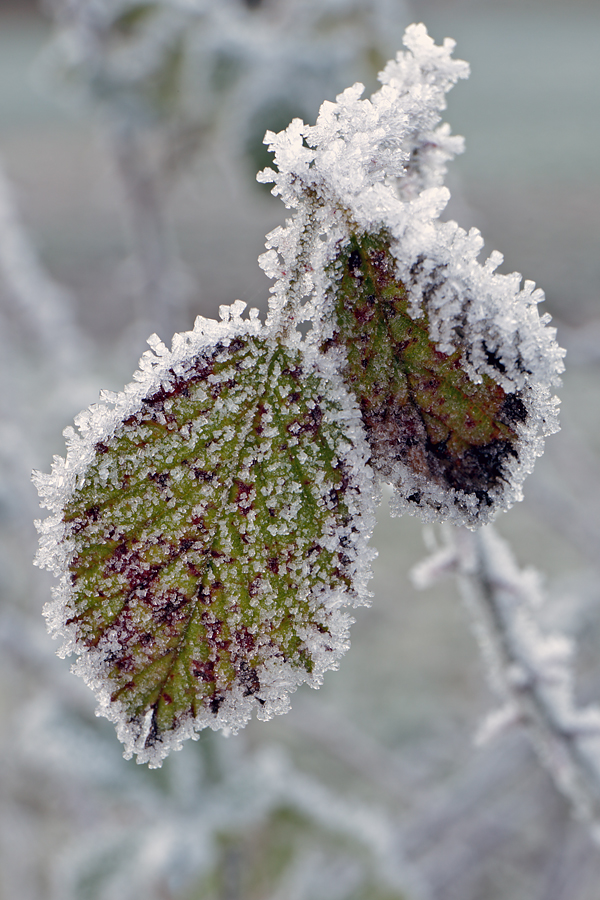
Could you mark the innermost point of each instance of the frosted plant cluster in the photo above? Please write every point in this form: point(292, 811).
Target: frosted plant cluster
point(209, 523)
point(76, 820)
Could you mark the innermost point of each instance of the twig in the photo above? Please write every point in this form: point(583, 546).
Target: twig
point(528, 670)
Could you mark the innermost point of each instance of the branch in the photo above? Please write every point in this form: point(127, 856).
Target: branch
point(528, 669)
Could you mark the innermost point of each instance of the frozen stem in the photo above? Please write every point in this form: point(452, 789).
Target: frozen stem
point(529, 670)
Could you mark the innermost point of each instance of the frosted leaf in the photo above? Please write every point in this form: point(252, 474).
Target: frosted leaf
point(453, 445)
point(208, 529)
point(450, 362)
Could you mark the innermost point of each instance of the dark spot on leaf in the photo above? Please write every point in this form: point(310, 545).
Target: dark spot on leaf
point(160, 478)
point(294, 372)
point(153, 733)
point(245, 639)
point(204, 594)
point(185, 544)
point(513, 409)
point(493, 359)
point(125, 664)
point(355, 263)
point(215, 703)
point(248, 678)
point(254, 587)
point(483, 465)
point(205, 671)
point(242, 493)
point(170, 611)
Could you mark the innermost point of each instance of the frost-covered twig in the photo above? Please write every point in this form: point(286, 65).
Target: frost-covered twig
point(528, 669)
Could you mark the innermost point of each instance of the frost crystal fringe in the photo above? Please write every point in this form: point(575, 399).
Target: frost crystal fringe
point(529, 670)
point(373, 170)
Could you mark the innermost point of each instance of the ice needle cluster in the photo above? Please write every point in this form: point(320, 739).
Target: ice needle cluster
point(210, 523)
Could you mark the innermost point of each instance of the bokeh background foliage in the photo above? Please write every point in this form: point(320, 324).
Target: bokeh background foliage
point(370, 788)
